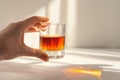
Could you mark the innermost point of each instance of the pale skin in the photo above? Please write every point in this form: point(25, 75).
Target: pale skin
point(12, 39)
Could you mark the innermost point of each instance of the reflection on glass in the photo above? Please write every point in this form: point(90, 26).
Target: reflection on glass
point(71, 72)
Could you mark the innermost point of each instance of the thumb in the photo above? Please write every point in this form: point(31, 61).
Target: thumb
point(36, 53)
point(41, 55)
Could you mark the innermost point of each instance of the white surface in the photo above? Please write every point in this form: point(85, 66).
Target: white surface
point(26, 68)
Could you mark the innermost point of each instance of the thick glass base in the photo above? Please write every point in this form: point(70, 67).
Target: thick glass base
point(55, 54)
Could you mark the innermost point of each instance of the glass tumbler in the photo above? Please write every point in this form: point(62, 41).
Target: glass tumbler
point(52, 40)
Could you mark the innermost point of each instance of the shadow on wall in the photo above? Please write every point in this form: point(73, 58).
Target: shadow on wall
point(14, 10)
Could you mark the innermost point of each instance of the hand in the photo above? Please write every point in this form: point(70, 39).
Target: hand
point(11, 39)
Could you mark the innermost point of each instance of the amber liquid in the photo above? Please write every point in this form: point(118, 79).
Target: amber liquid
point(52, 43)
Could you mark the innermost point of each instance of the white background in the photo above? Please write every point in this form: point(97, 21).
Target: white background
point(90, 23)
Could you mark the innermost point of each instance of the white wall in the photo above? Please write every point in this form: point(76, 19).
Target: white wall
point(90, 23)
point(14, 10)
point(97, 24)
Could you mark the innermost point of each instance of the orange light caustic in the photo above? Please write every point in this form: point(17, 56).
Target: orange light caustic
point(75, 71)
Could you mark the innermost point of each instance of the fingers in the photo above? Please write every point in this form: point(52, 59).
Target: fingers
point(32, 29)
point(37, 27)
point(35, 20)
point(42, 24)
point(38, 19)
